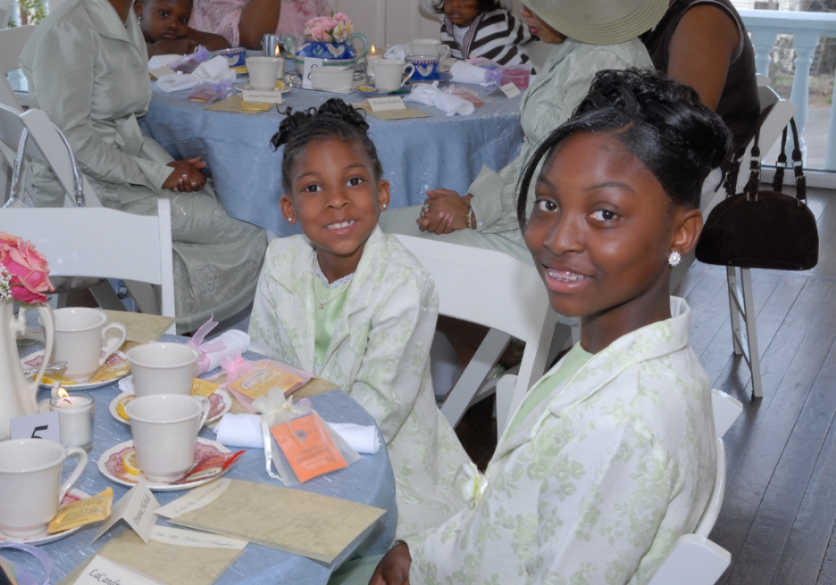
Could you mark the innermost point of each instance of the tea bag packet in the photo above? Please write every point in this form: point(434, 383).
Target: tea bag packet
point(203, 387)
point(262, 377)
point(111, 371)
point(298, 442)
point(83, 512)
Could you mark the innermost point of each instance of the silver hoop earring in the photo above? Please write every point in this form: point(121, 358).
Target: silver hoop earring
point(675, 258)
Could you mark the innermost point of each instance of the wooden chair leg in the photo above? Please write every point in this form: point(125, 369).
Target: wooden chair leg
point(751, 332)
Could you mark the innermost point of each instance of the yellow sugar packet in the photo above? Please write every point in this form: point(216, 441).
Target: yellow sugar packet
point(255, 106)
point(263, 378)
point(203, 387)
point(57, 378)
point(111, 372)
point(82, 512)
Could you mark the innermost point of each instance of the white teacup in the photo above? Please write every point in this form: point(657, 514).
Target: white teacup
point(429, 47)
point(263, 71)
point(388, 74)
point(332, 78)
point(165, 428)
point(30, 481)
point(81, 335)
point(163, 368)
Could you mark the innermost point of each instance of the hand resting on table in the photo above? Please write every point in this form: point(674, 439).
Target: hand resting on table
point(444, 211)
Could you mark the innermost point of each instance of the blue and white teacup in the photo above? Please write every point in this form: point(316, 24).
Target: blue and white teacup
point(426, 66)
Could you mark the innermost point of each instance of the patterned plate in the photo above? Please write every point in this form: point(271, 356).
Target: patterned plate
point(220, 402)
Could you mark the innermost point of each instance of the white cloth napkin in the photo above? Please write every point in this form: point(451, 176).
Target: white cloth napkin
point(240, 430)
point(466, 73)
point(395, 52)
point(233, 339)
point(244, 430)
point(430, 95)
point(214, 70)
point(161, 61)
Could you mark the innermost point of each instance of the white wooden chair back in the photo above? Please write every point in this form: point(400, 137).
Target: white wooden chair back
point(101, 242)
point(12, 41)
point(46, 145)
point(495, 290)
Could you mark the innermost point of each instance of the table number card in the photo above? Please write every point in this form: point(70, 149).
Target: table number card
point(382, 104)
point(310, 63)
point(36, 426)
point(510, 90)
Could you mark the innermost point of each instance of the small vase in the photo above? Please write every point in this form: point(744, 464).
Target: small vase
point(18, 396)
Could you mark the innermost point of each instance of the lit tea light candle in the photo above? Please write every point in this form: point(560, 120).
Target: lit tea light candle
point(371, 57)
point(75, 418)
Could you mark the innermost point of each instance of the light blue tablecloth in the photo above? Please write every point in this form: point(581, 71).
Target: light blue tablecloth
point(369, 481)
point(417, 154)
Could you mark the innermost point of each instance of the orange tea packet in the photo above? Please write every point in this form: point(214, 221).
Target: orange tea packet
point(308, 447)
point(262, 378)
point(82, 512)
point(111, 372)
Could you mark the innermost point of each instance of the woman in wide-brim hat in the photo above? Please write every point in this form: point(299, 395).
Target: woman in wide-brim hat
point(587, 36)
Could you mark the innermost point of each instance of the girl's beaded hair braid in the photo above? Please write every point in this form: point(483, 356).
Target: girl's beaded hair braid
point(334, 119)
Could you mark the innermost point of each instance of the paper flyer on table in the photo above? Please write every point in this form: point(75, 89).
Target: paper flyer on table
point(314, 526)
point(173, 556)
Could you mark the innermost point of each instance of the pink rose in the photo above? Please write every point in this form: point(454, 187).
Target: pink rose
point(28, 269)
point(342, 18)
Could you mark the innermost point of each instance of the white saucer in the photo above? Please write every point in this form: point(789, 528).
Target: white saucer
point(222, 394)
point(80, 386)
point(158, 487)
point(44, 538)
point(248, 87)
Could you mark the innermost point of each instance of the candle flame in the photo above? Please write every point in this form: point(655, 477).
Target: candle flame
point(372, 50)
point(278, 51)
point(63, 393)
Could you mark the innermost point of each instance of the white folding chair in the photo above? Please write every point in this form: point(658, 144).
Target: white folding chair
point(495, 290)
point(102, 243)
point(35, 138)
point(695, 560)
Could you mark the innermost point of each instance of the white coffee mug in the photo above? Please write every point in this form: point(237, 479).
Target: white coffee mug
point(429, 47)
point(389, 74)
point(163, 368)
point(164, 429)
point(30, 481)
point(332, 78)
point(81, 335)
point(263, 71)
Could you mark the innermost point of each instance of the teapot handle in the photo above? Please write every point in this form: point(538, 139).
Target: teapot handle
point(363, 38)
point(49, 339)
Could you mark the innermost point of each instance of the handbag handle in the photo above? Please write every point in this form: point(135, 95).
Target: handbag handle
point(797, 165)
point(78, 185)
point(731, 166)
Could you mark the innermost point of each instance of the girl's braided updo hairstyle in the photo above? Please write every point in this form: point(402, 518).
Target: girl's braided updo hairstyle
point(334, 119)
point(660, 121)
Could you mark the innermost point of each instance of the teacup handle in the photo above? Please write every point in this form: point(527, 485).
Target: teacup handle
point(112, 343)
point(411, 68)
point(207, 406)
point(79, 469)
point(443, 51)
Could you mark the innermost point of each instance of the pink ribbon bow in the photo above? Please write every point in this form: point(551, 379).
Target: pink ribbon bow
point(203, 348)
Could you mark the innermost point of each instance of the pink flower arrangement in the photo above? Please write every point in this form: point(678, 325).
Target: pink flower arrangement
point(329, 29)
point(24, 272)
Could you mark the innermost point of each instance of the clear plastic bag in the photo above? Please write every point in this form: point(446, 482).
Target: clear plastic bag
point(467, 94)
point(210, 92)
point(519, 75)
point(298, 442)
point(189, 63)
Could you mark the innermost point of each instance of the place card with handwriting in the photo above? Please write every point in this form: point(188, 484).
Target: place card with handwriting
point(136, 508)
point(510, 90)
point(382, 104)
point(262, 96)
point(101, 571)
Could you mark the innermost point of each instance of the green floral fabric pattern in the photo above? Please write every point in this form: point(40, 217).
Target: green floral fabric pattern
point(379, 354)
point(597, 482)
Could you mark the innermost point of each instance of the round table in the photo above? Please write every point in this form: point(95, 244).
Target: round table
point(417, 154)
point(368, 481)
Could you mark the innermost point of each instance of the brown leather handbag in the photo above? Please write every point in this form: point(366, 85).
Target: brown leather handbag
point(763, 229)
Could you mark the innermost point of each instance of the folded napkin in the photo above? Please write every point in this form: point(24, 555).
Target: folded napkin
point(395, 52)
point(214, 70)
point(466, 73)
point(162, 61)
point(229, 343)
point(244, 430)
point(430, 95)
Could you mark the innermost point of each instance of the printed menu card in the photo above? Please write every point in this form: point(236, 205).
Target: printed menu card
point(292, 520)
point(173, 556)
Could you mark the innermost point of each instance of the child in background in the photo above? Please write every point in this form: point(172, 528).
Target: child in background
point(352, 305)
point(165, 26)
point(482, 28)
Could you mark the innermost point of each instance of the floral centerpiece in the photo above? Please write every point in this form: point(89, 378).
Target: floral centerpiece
point(24, 272)
point(329, 29)
point(328, 38)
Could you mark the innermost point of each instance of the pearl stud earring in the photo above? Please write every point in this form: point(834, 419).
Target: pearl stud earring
point(675, 258)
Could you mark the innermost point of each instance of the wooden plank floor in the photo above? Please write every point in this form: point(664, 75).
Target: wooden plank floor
point(780, 506)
